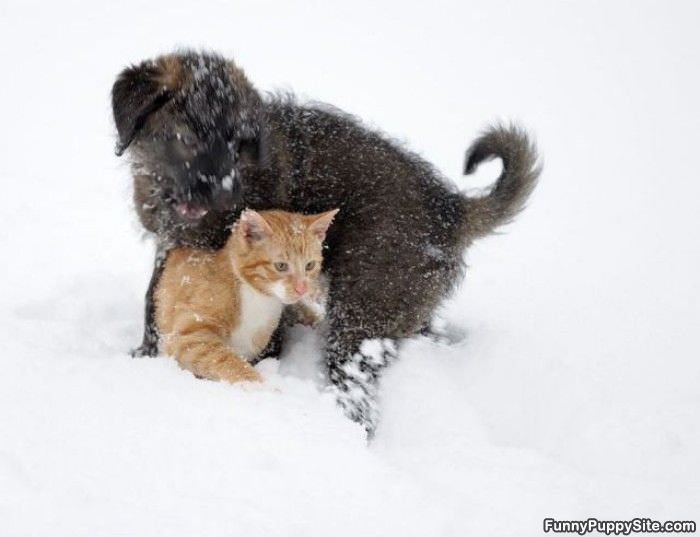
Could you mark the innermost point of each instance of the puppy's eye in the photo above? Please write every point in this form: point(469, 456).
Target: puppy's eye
point(310, 265)
point(281, 266)
point(248, 150)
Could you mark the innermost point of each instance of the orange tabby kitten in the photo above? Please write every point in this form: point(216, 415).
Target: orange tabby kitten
point(216, 310)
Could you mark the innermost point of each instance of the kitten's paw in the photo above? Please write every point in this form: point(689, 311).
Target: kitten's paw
point(251, 376)
point(239, 375)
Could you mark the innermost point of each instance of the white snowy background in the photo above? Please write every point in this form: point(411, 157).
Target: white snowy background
point(575, 390)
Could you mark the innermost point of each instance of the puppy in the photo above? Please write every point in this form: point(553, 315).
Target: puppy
point(203, 144)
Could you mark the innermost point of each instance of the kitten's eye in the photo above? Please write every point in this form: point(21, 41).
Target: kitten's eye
point(310, 265)
point(281, 266)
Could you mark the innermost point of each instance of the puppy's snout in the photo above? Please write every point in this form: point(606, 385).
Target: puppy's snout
point(190, 211)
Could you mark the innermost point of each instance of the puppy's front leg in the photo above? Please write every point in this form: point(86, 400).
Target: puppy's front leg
point(149, 345)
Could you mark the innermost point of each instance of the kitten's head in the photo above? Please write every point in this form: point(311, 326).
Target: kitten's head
point(279, 253)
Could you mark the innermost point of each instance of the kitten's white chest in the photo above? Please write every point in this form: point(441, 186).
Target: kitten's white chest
point(259, 316)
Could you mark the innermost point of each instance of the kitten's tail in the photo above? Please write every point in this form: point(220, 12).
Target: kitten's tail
point(510, 193)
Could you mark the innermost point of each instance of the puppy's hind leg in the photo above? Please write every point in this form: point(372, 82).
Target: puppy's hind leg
point(149, 345)
point(355, 361)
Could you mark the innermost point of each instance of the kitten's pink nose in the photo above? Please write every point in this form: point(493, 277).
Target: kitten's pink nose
point(301, 287)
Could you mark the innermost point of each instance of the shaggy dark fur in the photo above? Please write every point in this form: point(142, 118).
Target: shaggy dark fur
point(204, 145)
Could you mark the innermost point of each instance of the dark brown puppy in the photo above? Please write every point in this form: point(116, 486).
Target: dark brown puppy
point(204, 144)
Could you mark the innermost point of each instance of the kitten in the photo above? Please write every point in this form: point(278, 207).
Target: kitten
point(217, 310)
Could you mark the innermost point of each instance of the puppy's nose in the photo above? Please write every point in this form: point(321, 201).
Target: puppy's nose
point(301, 287)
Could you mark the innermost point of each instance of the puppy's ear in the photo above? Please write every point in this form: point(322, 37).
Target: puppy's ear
point(139, 91)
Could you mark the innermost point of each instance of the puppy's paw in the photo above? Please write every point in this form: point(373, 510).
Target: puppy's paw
point(145, 350)
point(443, 333)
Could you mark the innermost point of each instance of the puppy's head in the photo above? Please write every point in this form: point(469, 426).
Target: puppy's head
point(190, 123)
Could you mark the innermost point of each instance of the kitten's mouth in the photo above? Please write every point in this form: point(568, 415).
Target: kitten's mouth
point(188, 211)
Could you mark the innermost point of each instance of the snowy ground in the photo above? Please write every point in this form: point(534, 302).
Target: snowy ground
point(574, 391)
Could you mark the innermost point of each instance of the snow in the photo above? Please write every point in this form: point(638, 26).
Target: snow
point(572, 388)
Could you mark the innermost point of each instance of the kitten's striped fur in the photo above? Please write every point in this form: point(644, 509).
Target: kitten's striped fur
point(217, 310)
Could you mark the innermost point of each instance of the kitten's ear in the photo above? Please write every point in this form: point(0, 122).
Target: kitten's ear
point(319, 223)
point(252, 226)
point(141, 90)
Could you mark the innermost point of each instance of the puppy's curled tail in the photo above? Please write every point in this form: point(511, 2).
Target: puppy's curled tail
point(510, 193)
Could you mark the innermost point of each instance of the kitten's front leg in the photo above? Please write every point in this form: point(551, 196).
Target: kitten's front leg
point(206, 354)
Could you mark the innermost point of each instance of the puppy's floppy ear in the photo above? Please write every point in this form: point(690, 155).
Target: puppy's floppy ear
point(139, 91)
